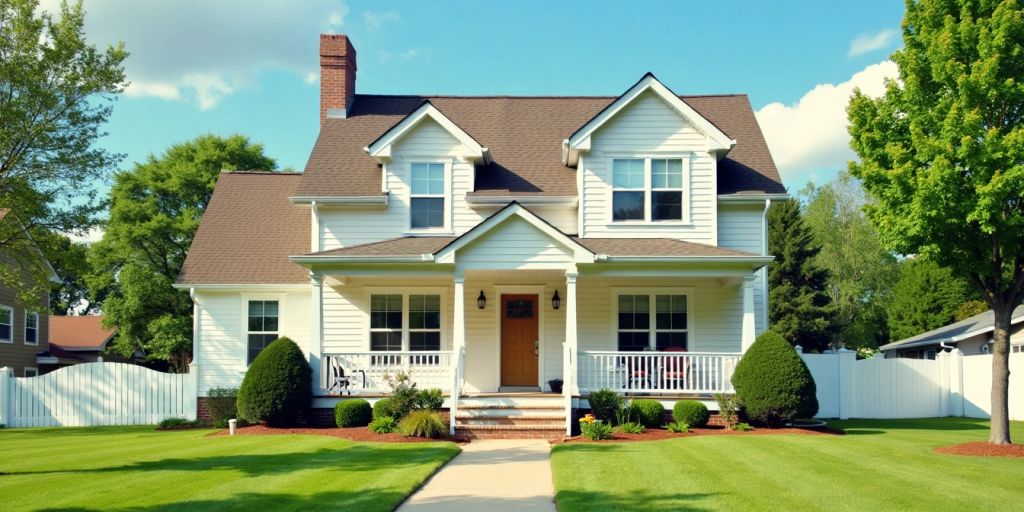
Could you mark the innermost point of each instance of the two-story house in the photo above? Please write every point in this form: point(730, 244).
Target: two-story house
point(24, 328)
point(492, 244)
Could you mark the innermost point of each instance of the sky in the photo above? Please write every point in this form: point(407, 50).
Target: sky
point(251, 66)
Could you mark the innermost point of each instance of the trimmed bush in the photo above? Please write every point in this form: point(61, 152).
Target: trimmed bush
point(220, 404)
point(691, 412)
point(383, 425)
point(353, 413)
point(605, 404)
point(278, 386)
point(422, 423)
point(678, 427)
point(383, 408)
point(649, 413)
point(773, 382)
point(430, 399)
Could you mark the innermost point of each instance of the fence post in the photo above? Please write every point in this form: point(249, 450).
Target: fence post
point(192, 392)
point(847, 391)
point(956, 383)
point(944, 360)
point(6, 384)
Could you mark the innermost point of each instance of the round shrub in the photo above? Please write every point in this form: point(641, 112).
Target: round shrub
point(605, 404)
point(278, 386)
point(773, 382)
point(649, 413)
point(422, 423)
point(383, 408)
point(353, 413)
point(691, 412)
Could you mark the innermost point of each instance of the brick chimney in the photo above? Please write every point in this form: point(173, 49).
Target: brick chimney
point(337, 76)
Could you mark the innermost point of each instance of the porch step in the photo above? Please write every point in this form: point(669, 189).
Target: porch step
point(509, 412)
point(511, 417)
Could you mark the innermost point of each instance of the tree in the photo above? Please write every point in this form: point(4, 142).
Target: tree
point(155, 210)
point(861, 270)
point(943, 151)
point(799, 306)
point(56, 92)
point(70, 260)
point(925, 297)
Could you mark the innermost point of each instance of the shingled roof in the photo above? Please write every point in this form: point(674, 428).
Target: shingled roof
point(524, 136)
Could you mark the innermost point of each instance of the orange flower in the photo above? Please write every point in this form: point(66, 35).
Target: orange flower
point(588, 419)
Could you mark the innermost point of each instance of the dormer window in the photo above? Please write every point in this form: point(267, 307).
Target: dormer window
point(648, 189)
point(427, 201)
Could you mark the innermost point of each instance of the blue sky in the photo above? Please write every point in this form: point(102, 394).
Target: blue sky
point(249, 67)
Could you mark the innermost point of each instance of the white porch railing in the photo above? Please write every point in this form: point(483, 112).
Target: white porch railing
point(367, 372)
point(656, 372)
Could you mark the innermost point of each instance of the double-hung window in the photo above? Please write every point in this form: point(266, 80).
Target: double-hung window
point(6, 324)
point(386, 325)
point(405, 322)
point(643, 327)
point(31, 328)
point(263, 324)
point(427, 200)
point(648, 189)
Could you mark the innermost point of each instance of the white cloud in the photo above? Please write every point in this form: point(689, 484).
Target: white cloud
point(94, 234)
point(812, 134)
point(373, 20)
point(866, 43)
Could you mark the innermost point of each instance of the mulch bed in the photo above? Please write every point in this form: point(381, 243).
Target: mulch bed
point(361, 434)
point(658, 434)
point(981, 449)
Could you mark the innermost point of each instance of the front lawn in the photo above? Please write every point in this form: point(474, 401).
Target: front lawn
point(137, 468)
point(878, 465)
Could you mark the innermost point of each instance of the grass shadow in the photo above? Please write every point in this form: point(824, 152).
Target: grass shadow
point(363, 500)
point(589, 501)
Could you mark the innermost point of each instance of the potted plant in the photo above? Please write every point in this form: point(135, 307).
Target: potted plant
point(556, 385)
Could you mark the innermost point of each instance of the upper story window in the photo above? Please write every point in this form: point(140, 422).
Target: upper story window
point(262, 326)
point(31, 328)
point(6, 324)
point(427, 200)
point(647, 189)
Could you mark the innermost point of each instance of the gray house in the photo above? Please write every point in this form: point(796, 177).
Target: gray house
point(973, 336)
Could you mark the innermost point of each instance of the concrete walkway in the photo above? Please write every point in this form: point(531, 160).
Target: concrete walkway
point(489, 475)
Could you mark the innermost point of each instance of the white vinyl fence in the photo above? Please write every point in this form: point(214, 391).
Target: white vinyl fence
point(95, 394)
point(950, 385)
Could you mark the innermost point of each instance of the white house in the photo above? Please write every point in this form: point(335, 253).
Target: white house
point(492, 244)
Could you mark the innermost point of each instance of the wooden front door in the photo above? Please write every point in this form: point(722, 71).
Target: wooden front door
point(519, 337)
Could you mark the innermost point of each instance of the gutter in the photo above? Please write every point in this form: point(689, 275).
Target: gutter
point(751, 198)
point(416, 258)
point(381, 200)
point(568, 201)
point(764, 260)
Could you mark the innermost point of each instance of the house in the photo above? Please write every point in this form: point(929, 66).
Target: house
point(491, 244)
point(24, 329)
point(973, 336)
point(80, 339)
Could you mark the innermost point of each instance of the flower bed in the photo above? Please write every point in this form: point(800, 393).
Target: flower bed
point(982, 449)
point(657, 434)
point(361, 434)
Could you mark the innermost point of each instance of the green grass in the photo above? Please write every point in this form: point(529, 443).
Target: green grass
point(878, 465)
point(139, 469)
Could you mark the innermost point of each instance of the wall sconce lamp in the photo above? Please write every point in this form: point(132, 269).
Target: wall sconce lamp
point(481, 300)
point(556, 301)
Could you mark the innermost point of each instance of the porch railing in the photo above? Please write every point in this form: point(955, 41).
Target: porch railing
point(657, 372)
point(367, 372)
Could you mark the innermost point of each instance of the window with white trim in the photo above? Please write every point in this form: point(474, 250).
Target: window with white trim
point(262, 327)
point(6, 324)
point(648, 189)
point(30, 372)
point(1017, 349)
point(31, 328)
point(641, 327)
point(426, 208)
point(405, 322)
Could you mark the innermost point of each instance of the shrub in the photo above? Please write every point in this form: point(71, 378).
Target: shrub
point(595, 429)
point(678, 427)
point(278, 386)
point(177, 423)
point(353, 413)
point(631, 427)
point(649, 413)
point(742, 427)
point(773, 382)
point(422, 423)
point(430, 399)
point(383, 425)
point(605, 404)
point(220, 404)
point(691, 412)
point(404, 396)
point(728, 407)
point(383, 409)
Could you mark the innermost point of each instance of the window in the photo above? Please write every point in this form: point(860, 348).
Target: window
point(427, 203)
point(31, 372)
point(386, 323)
point(647, 189)
point(31, 328)
point(401, 322)
point(6, 324)
point(642, 328)
point(424, 322)
point(1017, 349)
point(262, 327)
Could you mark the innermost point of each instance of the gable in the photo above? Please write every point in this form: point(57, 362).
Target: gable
point(381, 149)
point(427, 138)
point(514, 244)
point(648, 124)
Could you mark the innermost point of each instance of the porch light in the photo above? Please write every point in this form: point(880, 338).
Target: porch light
point(481, 300)
point(556, 301)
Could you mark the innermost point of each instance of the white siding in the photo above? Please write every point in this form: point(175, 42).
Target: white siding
point(222, 342)
point(645, 127)
point(741, 227)
point(514, 244)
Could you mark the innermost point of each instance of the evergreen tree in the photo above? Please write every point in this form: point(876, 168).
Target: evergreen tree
point(925, 297)
point(799, 307)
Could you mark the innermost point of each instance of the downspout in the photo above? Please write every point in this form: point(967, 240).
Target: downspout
point(764, 252)
point(195, 325)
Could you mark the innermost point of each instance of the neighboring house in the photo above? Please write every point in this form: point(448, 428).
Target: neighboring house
point(80, 339)
point(24, 331)
point(476, 241)
point(973, 336)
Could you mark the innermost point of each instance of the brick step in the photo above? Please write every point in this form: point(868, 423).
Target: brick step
point(511, 422)
point(512, 413)
point(532, 407)
point(508, 433)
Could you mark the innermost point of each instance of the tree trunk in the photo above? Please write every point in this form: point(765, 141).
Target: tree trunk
point(1000, 430)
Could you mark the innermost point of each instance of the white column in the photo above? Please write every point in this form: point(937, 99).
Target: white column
point(316, 304)
point(459, 329)
point(747, 335)
point(570, 329)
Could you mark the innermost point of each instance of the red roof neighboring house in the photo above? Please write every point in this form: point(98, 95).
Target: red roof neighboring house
point(81, 335)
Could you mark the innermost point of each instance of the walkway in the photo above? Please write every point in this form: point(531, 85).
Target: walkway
point(490, 475)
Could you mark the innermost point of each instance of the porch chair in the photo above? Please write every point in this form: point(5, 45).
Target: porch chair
point(341, 381)
point(673, 371)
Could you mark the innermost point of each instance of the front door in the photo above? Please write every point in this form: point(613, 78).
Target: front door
point(519, 336)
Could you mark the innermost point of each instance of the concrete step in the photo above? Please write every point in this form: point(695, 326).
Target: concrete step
point(511, 422)
point(478, 433)
point(509, 412)
point(512, 403)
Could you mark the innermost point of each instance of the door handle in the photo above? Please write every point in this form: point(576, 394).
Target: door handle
point(536, 348)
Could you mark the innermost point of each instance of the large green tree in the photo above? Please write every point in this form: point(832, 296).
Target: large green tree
point(154, 212)
point(861, 270)
point(56, 93)
point(943, 152)
point(70, 260)
point(926, 296)
point(799, 307)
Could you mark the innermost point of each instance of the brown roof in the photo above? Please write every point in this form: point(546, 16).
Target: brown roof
point(248, 231)
point(79, 332)
point(405, 246)
point(524, 136)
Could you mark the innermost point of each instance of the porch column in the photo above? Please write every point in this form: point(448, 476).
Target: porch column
point(459, 330)
point(570, 330)
point(748, 331)
point(316, 303)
